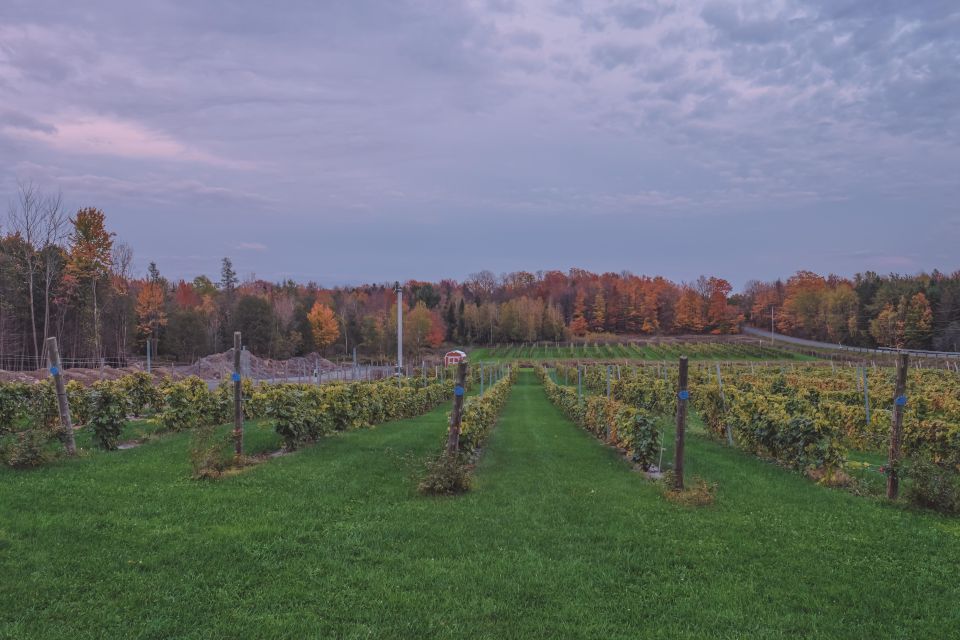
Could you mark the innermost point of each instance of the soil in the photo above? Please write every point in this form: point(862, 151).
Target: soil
point(213, 367)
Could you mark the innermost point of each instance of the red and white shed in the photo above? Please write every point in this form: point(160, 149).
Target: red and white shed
point(454, 357)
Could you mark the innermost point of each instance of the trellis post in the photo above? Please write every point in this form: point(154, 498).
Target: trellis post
point(53, 362)
point(682, 397)
point(896, 431)
point(237, 398)
point(453, 437)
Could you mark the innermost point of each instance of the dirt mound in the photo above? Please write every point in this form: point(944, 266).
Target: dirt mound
point(216, 366)
point(81, 374)
point(220, 365)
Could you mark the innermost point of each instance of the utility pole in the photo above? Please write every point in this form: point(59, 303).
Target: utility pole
point(399, 330)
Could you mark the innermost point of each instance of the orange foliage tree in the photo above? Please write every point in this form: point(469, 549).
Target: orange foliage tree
point(578, 324)
point(150, 312)
point(688, 316)
point(323, 325)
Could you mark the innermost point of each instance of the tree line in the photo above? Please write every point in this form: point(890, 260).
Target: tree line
point(907, 311)
point(69, 276)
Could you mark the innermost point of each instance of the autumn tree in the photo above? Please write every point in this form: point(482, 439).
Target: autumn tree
point(90, 260)
point(421, 328)
point(323, 325)
point(689, 316)
point(721, 316)
point(917, 322)
point(598, 320)
point(151, 314)
point(578, 323)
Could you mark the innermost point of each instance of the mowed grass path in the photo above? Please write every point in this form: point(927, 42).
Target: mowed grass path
point(559, 539)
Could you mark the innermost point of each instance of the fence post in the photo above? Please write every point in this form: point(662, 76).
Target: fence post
point(481, 379)
point(453, 438)
point(237, 398)
point(682, 396)
point(896, 431)
point(53, 362)
point(579, 384)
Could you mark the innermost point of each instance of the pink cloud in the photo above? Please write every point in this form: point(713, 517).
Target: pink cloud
point(102, 135)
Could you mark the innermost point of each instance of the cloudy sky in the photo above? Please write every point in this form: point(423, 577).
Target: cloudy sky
point(382, 140)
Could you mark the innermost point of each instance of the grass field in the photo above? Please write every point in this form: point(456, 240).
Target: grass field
point(628, 351)
point(559, 539)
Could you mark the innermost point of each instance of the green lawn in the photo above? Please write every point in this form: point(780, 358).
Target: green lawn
point(559, 539)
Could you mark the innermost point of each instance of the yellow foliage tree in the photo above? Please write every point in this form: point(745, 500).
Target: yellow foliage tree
point(323, 325)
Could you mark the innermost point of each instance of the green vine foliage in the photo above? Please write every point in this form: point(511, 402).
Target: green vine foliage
point(42, 406)
point(631, 428)
point(480, 413)
point(13, 406)
point(80, 401)
point(142, 394)
point(108, 413)
point(303, 413)
point(188, 404)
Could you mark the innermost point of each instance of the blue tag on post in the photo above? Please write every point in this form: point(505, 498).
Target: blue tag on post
point(684, 395)
point(901, 401)
point(54, 371)
point(458, 391)
point(235, 377)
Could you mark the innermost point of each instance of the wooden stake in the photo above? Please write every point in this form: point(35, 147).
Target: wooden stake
point(896, 431)
point(723, 399)
point(453, 437)
point(237, 398)
point(53, 362)
point(866, 395)
point(682, 396)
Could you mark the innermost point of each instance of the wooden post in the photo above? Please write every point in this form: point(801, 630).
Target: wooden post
point(237, 398)
point(896, 431)
point(606, 410)
point(866, 395)
point(723, 399)
point(579, 383)
point(682, 396)
point(53, 363)
point(453, 437)
point(481, 379)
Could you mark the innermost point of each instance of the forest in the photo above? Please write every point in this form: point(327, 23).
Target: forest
point(67, 275)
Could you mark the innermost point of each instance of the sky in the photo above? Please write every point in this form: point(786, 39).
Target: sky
point(358, 141)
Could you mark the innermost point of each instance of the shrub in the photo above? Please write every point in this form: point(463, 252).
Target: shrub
point(697, 492)
point(29, 448)
point(445, 475)
point(933, 486)
point(210, 453)
point(108, 414)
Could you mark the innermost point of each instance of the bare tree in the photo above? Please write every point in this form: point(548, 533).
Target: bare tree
point(120, 270)
point(54, 224)
point(39, 219)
